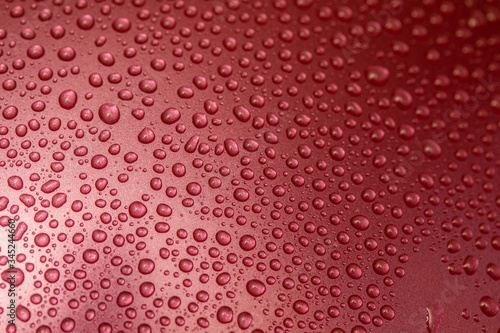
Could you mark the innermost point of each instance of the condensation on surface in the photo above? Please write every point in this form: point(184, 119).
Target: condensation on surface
point(251, 166)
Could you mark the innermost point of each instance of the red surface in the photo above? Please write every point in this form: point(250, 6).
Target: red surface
point(257, 166)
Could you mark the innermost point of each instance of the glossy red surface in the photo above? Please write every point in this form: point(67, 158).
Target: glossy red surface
point(250, 166)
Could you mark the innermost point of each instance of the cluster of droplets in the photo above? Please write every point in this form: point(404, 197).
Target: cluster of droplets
point(260, 166)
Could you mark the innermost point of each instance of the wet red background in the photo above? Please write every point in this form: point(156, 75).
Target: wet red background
point(251, 166)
